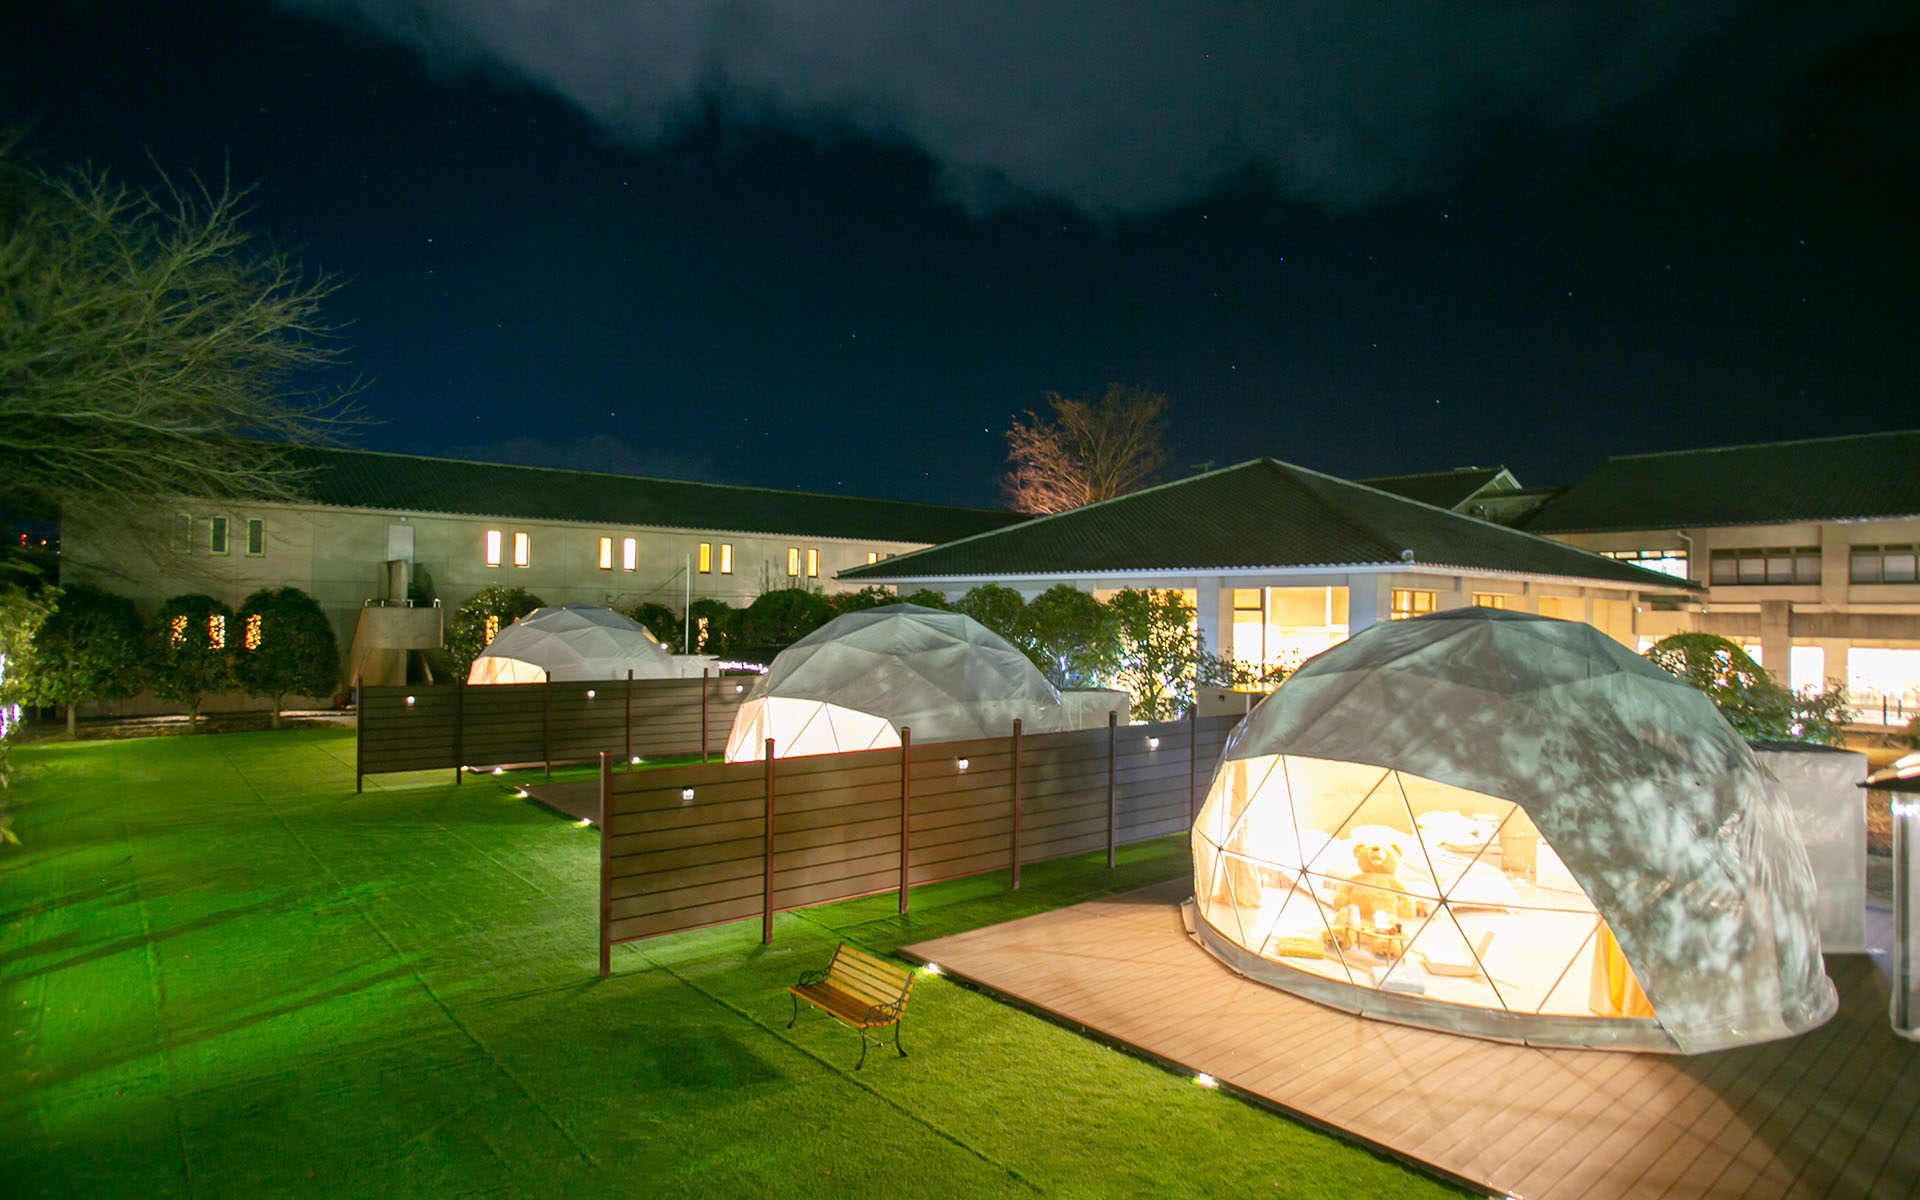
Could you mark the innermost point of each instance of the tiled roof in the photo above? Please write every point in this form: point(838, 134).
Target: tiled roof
point(1442, 489)
point(1260, 514)
point(1826, 479)
point(406, 483)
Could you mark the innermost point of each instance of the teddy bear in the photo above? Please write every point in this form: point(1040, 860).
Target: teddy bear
point(1377, 888)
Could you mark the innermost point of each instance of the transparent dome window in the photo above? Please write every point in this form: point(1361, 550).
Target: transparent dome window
point(1394, 883)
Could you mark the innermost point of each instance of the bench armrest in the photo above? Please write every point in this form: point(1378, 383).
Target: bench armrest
point(812, 977)
point(883, 1014)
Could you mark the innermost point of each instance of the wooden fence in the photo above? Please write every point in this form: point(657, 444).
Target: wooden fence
point(424, 728)
point(686, 847)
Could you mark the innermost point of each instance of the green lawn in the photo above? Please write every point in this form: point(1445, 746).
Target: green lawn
point(225, 974)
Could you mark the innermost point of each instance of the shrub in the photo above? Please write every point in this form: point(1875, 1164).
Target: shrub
point(1757, 707)
point(286, 647)
point(90, 647)
point(1072, 637)
point(481, 619)
point(192, 651)
point(662, 622)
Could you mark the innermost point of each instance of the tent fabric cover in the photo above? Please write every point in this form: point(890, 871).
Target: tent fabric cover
point(1657, 808)
point(572, 642)
point(1822, 787)
point(864, 675)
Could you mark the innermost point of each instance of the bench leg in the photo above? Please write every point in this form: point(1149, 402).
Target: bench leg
point(863, 1049)
point(896, 1037)
point(796, 1011)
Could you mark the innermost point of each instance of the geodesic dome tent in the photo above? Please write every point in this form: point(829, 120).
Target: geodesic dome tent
point(855, 681)
point(1510, 826)
point(572, 641)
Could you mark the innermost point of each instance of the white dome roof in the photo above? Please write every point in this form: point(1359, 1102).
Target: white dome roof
point(854, 682)
point(571, 642)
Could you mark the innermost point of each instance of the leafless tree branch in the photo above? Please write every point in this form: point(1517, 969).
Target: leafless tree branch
point(1090, 450)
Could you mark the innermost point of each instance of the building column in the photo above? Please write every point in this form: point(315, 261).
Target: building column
point(1363, 602)
point(1208, 597)
point(1776, 641)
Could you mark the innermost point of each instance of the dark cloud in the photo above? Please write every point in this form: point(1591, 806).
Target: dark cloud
point(1127, 106)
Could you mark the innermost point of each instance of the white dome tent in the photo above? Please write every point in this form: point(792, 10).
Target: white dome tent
point(1588, 855)
point(854, 682)
point(572, 642)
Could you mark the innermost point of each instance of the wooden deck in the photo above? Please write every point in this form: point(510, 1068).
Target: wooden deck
point(1833, 1113)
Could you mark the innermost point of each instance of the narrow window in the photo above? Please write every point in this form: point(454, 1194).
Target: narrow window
point(629, 554)
point(256, 537)
point(872, 557)
point(177, 630)
point(251, 638)
point(726, 558)
point(217, 536)
point(216, 631)
point(491, 630)
point(1489, 600)
point(493, 547)
point(813, 564)
point(606, 554)
point(706, 558)
point(1410, 603)
point(793, 562)
point(522, 549)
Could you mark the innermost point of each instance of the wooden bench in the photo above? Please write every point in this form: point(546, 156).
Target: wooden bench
point(856, 988)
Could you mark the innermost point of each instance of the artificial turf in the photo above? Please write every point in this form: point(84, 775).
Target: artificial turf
point(223, 973)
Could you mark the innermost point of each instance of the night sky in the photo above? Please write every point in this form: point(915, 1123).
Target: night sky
point(837, 246)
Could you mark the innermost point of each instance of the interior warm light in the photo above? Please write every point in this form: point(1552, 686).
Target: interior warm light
point(1205, 1080)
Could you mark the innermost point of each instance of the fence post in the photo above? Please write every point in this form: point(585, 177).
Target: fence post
point(706, 689)
point(1193, 761)
point(766, 911)
point(906, 777)
point(629, 726)
point(1016, 804)
point(1113, 737)
point(359, 736)
point(546, 723)
point(606, 865)
point(459, 729)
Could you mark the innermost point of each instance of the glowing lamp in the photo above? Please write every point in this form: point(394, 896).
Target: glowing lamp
point(499, 770)
point(409, 701)
point(585, 821)
point(1205, 1080)
point(960, 763)
point(933, 968)
point(589, 693)
point(686, 793)
point(1153, 743)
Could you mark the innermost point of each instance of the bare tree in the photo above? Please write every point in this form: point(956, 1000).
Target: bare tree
point(148, 345)
point(1090, 450)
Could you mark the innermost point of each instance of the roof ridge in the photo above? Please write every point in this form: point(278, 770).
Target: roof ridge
point(738, 487)
point(1433, 474)
point(1835, 437)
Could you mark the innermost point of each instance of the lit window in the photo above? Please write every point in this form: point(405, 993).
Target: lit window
point(606, 554)
point(1410, 603)
point(1667, 562)
point(813, 564)
point(1489, 600)
point(706, 558)
point(629, 554)
point(493, 547)
point(491, 630)
point(177, 630)
point(522, 548)
point(217, 536)
point(256, 537)
point(726, 558)
point(216, 631)
point(872, 557)
point(793, 562)
point(251, 638)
